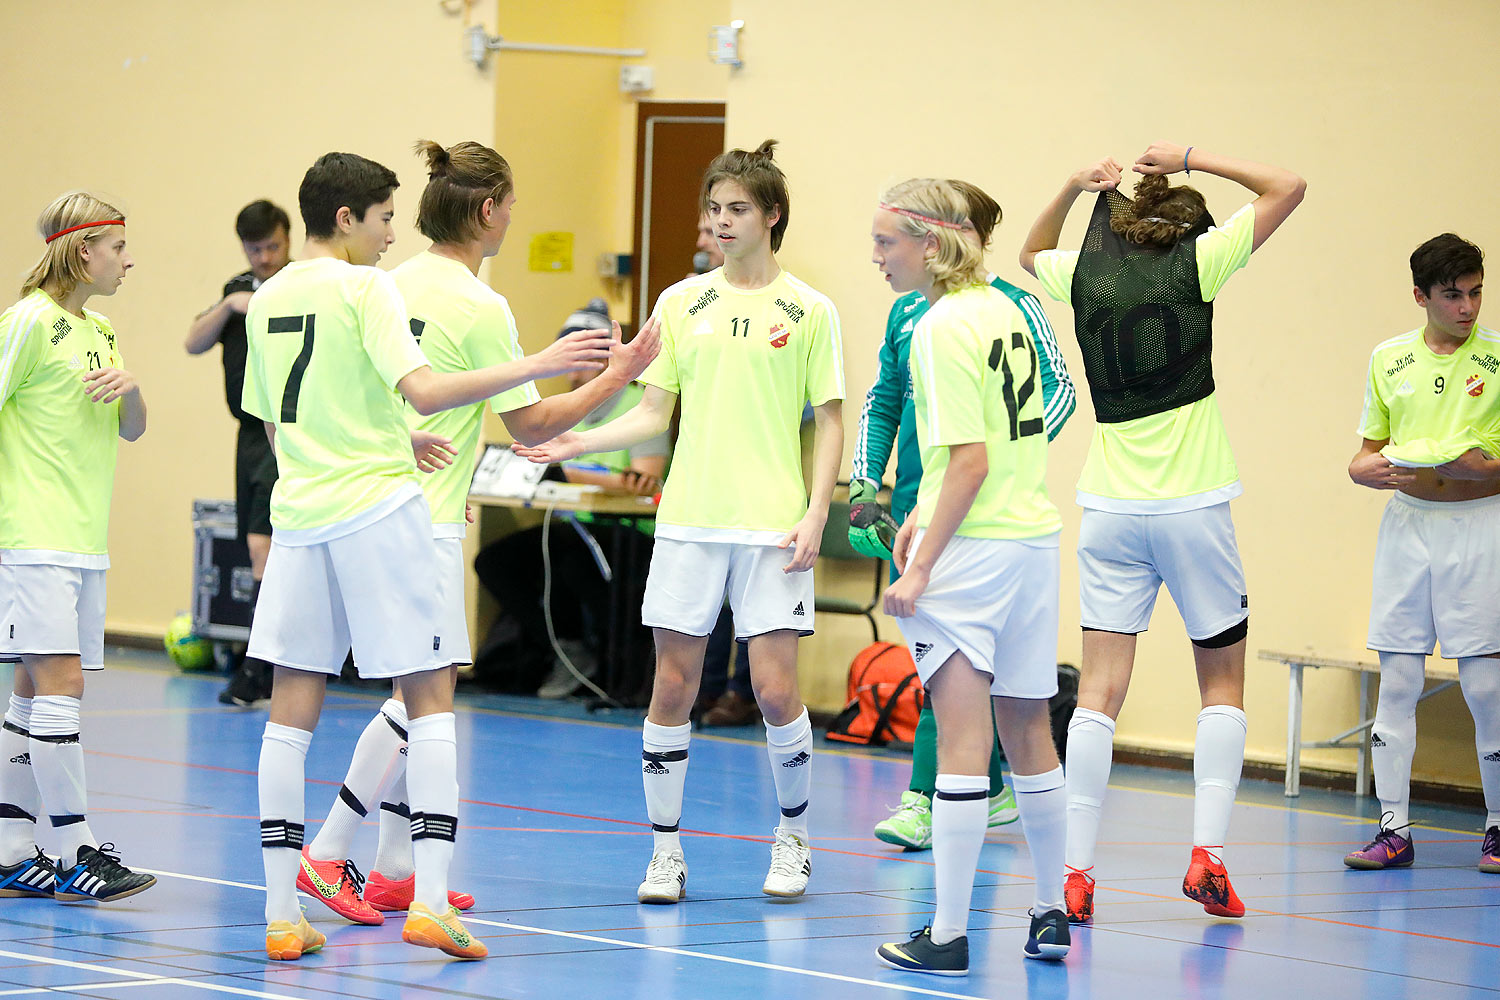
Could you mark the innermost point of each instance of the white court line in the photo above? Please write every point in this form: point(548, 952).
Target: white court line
point(141, 978)
point(637, 945)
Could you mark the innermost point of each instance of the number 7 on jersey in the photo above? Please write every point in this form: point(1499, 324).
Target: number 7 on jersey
point(304, 326)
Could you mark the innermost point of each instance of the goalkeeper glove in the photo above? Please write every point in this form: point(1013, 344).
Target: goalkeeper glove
point(872, 531)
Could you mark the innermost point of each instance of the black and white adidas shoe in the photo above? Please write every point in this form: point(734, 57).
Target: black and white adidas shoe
point(99, 876)
point(31, 877)
point(791, 865)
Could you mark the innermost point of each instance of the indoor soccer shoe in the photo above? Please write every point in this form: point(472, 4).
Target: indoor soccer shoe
point(287, 942)
point(395, 895)
point(446, 933)
point(920, 955)
point(1207, 882)
point(1078, 895)
point(99, 876)
point(1489, 854)
point(29, 877)
point(910, 826)
point(791, 866)
point(1049, 938)
point(1389, 849)
point(666, 879)
point(337, 884)
point(1003, 808)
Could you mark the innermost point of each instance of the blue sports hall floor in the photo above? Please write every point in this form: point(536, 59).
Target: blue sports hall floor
point(553, 844)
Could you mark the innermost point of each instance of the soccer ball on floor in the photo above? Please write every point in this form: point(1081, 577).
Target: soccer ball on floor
point(184, 648)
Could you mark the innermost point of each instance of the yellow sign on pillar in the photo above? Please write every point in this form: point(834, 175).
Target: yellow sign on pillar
point(551, 252)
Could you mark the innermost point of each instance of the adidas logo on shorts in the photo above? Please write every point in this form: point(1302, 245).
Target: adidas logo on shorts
point(24, 758)
point(920, 650)
point(798, 610)
point(797, 761)
point(1376, 741)
point(1493, 757)
point(654, 767)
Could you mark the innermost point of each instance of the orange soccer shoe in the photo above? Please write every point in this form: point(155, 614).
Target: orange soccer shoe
point(1207, 882)
point(287, 942)
point(395, 895)
point(337, 885)
point(446, 933)
point(1078, 893)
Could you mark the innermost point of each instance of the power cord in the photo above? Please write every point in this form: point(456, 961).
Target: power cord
point(562, 657)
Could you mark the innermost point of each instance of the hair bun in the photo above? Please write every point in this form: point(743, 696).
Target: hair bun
point(766, 149)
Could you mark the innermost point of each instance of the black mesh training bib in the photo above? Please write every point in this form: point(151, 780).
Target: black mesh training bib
point(1140, 318)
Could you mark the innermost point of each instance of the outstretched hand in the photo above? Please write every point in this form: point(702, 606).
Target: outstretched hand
point(579, 351)
point(568, 444)
point(630, 360)
point(1162, 158)
point(1102, 176)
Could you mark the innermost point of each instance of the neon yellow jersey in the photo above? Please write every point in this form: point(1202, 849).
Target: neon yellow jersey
point(975, 378)
point(744, 363)
point(461, 324)
point(57, 449)
point(328, 341)
point(1412, 392)
point(1178, 459)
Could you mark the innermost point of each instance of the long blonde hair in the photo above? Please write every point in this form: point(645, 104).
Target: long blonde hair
point(925, 205)
point(62, 263)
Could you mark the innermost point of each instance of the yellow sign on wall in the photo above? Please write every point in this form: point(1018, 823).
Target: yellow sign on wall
point(551, 252)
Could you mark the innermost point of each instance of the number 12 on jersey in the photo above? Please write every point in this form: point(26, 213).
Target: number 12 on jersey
point(304, 326)
point(1016, 397)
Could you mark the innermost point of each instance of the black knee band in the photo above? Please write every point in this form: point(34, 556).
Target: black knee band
point(433, 826)
point(1228, 637)
point(281, 833)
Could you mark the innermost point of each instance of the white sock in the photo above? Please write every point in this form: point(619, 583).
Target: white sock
point(1218, 759)
point(57, 763)
point(1091, 749)
point(1393, 737)
point(19, 802)
point(283, 764)
point(1042, 800)
point(1480, 678)
point(432, 784)
point(664, 761)
point(960, 813)
point(380, 743)
point(790, 750)
point(393, 856)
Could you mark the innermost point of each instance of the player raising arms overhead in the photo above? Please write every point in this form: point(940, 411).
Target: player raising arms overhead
point(1159, 475)
point(977, 597)
point(462, 325)
point(352, 558)
point(746, 347)
point(65, 401)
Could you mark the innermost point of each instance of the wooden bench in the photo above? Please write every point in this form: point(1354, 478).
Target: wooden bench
point(1357, 737)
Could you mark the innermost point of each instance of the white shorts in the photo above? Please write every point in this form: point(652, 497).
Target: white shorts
point(46, 609)
point(376, 587)
point(1123, 559)
point(688, 580)
point(453, 620)
point(1437, 577)
point(994, 600)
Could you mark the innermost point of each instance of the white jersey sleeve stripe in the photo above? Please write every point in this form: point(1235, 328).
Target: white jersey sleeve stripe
point(20, 332)
point(1064, 398)
point(928, 375)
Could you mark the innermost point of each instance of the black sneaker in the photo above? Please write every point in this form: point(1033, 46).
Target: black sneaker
point(250, 683)
point(30, 877)
point(99, 876)
point(920, 955)
point(1049, 938)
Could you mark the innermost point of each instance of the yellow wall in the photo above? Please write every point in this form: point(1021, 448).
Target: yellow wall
point(1387, 112)
point(181, 113)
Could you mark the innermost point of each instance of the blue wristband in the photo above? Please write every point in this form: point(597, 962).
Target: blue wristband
point(1185, 168)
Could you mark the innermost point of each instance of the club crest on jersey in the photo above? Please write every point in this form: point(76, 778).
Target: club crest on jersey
point(1474, 385)
point(780, 335)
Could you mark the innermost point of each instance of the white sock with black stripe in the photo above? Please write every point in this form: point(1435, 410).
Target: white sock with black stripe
point(57, 763)
point(432, 784)
point(393, 857)
point(789, 748)
point(379, 745)
point(283, 767)
point(664, 761)
point(19, 802)
point(960, 813)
